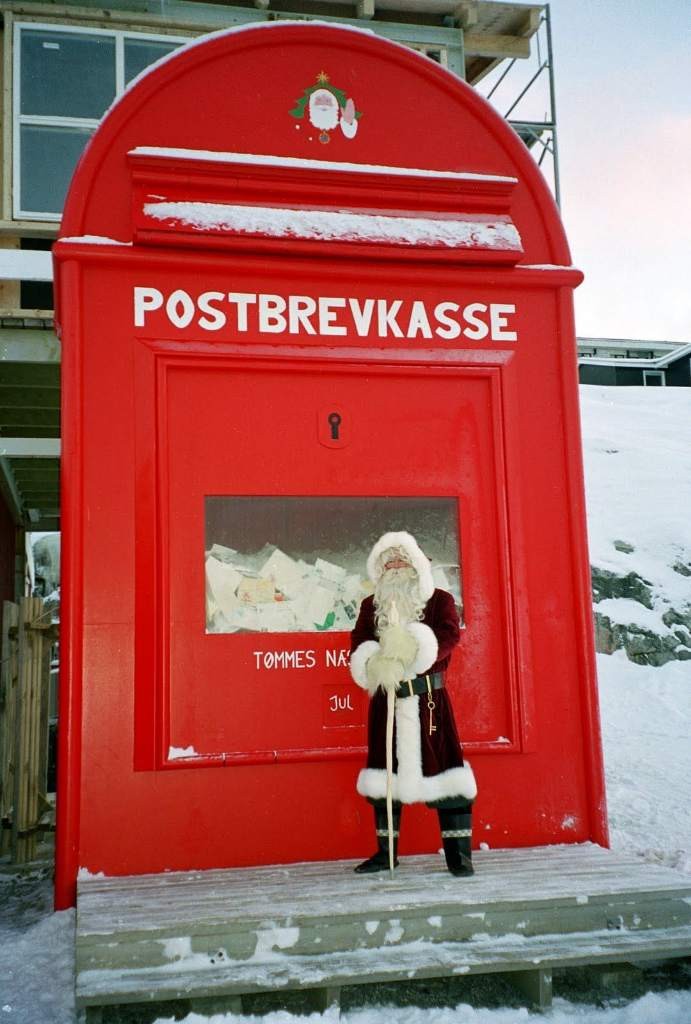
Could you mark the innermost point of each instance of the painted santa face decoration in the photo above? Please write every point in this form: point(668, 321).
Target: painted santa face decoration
point(323, 109)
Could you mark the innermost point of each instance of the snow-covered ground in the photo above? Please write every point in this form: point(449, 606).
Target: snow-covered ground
point(638, 478)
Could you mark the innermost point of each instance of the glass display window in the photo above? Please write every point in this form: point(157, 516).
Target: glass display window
point(298, 564)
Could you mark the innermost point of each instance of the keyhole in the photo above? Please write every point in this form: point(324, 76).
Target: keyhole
point(334, 419)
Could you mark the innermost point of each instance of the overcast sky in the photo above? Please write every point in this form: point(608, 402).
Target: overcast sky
point(623, 78)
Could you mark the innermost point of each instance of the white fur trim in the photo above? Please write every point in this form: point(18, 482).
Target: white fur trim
point(418, 560)
point(427, 648)
point(409, 785)
point(358, 664)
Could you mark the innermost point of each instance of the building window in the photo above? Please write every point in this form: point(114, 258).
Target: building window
point(436, 53)
point(654, 378)
point(64, 81)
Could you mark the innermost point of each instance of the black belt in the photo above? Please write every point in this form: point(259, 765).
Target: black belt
point(420, 684)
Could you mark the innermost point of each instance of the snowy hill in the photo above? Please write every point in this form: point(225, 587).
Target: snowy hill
point(638, 482)
point(638, 493)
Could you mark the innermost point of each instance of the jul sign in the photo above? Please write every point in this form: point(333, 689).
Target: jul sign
point(266, 313)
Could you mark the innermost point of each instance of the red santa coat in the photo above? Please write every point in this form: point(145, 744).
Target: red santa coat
point(427, 768)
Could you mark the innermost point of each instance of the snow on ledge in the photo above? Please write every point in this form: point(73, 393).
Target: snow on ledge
point(182, 753)
point(326, 225)
point(268, 160)
point(92, 240)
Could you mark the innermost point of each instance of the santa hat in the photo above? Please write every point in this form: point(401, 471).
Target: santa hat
point(406, 543)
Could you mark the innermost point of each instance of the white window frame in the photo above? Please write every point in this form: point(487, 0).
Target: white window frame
point(19, 119)
point(660, 374)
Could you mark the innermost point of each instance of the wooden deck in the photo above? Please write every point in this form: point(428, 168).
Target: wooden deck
point(212, 934)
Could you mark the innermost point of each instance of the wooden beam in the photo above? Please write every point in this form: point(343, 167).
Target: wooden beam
point(535, 985)
point(365, 8)
point(466, 14)
point(478, 45)
point(531, 22)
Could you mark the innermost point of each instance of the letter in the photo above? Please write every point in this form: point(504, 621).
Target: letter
point(271, 319)
point(287, 659)
point(419, 321)
point(478, 328)
point(299, 659)
point(343, 657)
point(243, 300)
point(327, 315)
point(342, 703)
point(333, 700)
point(257, 655)
point(362, 315)
point(498, 322)
point(144, 300)
point(268, 660)
point(330, 659)
point(449, 328)
point(349, 706)
point(300, 309)
point(216, 318)
point(182, 299)
point(386, 316)
point(311, 659)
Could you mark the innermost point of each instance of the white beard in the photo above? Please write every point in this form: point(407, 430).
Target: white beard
point(323, 117)
point(400, 586)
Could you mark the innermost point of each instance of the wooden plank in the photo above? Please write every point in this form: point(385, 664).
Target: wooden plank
point(8, 705)
point(535, 985)
point(477, 44)
point(162, 901)
point(389, 964)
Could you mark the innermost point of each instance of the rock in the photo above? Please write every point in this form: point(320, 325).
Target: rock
point(609, 584)
point(621, 545)
point(642, 646)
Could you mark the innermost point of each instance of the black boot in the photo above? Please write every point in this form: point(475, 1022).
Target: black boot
point(380, 860)
point(456, 835)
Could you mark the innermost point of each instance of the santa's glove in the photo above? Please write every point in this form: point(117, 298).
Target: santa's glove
point(397, 642)
point(384, 672)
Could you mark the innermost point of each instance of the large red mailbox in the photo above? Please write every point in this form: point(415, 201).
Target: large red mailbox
point(311, 288)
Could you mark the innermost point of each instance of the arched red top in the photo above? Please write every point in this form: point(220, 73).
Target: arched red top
point(308, 91)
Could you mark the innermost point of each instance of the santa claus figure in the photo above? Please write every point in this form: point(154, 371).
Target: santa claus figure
point(402, 642)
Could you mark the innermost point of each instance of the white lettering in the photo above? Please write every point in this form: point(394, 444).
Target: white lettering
point(327, 315)
point(144, 300)
point(271, 310)
point(498, 322)
point(215, 318)
point(419, 321)
point(300, 309)
point(337, 703)
point(185, 315)
point(362, 315)
point(478, 328)
point(449, 328)
point(284, 659)
point(338, 659)
point(386, 317)
point(243, 300)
